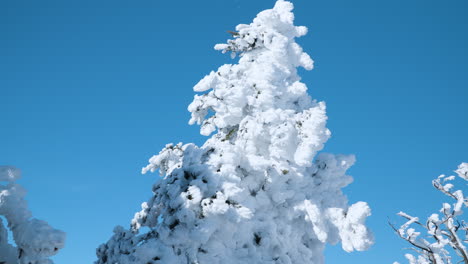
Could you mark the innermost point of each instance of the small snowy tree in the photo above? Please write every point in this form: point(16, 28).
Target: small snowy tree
point(445, 231)
point(255, 192)
point(35, 240)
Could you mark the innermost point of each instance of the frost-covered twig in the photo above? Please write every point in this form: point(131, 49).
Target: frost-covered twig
point(444, 230)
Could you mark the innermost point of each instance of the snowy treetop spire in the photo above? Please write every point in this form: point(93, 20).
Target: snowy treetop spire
point(272, 30)
point(262, 96)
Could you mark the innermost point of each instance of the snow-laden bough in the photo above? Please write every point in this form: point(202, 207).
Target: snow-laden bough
point(34, 240)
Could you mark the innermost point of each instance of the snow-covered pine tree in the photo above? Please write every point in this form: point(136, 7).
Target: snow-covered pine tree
point(255, 192)
point(35, 240)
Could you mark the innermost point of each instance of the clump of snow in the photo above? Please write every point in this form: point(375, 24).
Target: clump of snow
point(35, 240)
point(9, 173)
point(256, 191)
point(462, 171)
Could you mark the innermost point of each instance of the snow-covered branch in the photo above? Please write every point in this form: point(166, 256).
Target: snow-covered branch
point(34, 240)
point(444, 232)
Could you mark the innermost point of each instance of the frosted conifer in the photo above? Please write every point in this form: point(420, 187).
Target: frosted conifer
point(256, 191)
point(35, 240)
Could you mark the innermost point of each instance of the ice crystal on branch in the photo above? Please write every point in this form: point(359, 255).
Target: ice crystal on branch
point(256, 191)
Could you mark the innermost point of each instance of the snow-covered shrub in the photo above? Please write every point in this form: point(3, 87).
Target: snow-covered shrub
point(256, 191)
point(443, 232)
point(35, 240)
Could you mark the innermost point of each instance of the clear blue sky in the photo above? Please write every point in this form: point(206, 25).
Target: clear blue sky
point(89, 90)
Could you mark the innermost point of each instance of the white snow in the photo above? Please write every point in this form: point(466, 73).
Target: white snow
point(462, 171)
point(9, 173)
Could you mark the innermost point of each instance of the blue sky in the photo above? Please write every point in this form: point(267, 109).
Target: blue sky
point(89, 90)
